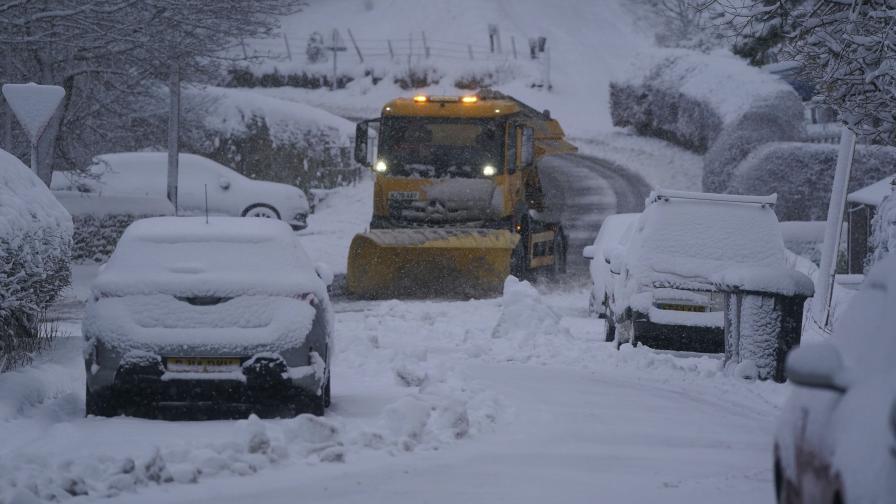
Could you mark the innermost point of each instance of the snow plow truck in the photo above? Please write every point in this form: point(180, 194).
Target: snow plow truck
point(458, 202)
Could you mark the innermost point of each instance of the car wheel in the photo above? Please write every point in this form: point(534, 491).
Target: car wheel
point(262, 211)
point(97, 404)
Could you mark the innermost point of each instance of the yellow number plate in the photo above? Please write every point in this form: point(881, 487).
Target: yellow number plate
point(202, 364)
point(682, 307)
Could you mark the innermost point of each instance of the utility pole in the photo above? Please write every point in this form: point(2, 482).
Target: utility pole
point(173, 133)
point(824, 281)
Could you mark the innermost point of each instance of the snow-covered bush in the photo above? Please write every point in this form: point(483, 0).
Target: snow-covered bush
point(775, 120)
point(270, 139)
point(802, 175)
point(688, 97)
point(35, 243)
point(883, 230)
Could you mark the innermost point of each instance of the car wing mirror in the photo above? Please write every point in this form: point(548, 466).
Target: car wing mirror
point(613, 257)
point(817, 365)
point(588, 252)
point(324, 273)
point(224, 183)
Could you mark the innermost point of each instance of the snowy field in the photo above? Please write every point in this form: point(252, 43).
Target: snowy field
point(514, 399)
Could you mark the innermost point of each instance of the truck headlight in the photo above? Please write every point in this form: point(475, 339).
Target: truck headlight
point(489, 170)
point(380, 167)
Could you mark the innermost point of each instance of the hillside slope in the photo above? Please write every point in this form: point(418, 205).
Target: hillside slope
point(589, 42)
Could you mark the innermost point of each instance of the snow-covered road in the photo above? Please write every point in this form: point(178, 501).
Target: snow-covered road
point(514, 399)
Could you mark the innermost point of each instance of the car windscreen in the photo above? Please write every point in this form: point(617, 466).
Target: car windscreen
point(431, 147)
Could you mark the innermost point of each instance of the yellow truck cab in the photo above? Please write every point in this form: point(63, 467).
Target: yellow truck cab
point(461, 169)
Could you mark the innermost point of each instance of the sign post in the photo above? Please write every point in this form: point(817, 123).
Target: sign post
point(34, 106)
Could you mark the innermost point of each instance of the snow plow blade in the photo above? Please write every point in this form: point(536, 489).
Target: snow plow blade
point(421, 263)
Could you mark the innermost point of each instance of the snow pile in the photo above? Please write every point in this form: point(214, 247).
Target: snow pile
point(801, 174)
point(686, 97)
point(528, 329)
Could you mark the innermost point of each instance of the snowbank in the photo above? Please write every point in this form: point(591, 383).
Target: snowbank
point(802, 175)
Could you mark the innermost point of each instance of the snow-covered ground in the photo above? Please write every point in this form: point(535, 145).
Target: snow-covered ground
point(514, 399)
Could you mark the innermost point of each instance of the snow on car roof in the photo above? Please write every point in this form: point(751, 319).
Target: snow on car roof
point(228, 256)
point(714, 240)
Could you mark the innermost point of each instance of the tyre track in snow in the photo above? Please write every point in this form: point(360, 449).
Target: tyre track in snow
point(585, 190)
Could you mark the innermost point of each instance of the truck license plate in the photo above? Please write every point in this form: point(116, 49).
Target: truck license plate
point(404, 195)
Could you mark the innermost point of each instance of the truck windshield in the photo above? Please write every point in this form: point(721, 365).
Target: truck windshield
point(433, 147)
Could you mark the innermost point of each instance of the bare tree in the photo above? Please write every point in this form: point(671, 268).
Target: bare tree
point(681, 23)
point(114, 56)
point(846, 48)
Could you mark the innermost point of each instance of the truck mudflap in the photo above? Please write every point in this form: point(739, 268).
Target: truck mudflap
point(425, 263)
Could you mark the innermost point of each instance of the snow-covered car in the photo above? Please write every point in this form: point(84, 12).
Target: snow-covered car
point(229, 313)
point(145, 174)
point(663, 290)
point(836, 437)
point(614, 231)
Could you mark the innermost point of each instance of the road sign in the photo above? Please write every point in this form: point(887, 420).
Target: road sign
point(33, 105)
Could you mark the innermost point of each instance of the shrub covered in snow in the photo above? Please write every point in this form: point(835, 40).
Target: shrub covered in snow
point(775, 120)
point(883, 229)
point(271, 139)
point(35, 243)
point(688, 97)
point(802, 175)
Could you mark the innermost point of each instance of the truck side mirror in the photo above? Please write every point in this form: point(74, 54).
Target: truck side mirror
point(528, 146)
point(361, 141)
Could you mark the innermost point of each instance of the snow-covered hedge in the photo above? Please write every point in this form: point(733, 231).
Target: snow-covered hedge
point(271, 139)
point(775, 120)
point(35, 244)
point(802, 175)
point(99, 221)
point(688, 97)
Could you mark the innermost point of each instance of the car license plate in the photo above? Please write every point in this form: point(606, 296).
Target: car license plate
point(404, 195)
point(202, 364)
point(682, 307)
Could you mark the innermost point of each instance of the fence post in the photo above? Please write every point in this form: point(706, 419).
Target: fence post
point(245, 53)
point(391, 52)
point(470, 49)
point(410, 48)
point(513, 45)
point(425, 44)
point(357, 49)
point(492, 34)
point(286, 43)
point(533, 48)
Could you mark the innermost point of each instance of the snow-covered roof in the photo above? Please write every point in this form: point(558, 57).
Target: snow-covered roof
point(27, 206)
point(875, 193)
point(228, 256)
